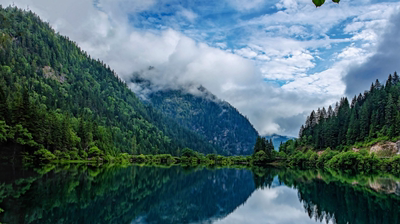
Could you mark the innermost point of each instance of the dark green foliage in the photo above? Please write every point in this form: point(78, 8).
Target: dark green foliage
point(54, 96)
point(304, 160)
point(354, 161)
point(318, 3)
point(327, 155)
point(216, 120)
point(262, 144)
point(350, 161)
point(370, 116)
point(263, 151)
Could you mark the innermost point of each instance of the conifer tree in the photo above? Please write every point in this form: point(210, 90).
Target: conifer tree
point(390, 111)
point(395, 78)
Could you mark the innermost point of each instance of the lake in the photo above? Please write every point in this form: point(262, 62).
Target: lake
point(134, 194)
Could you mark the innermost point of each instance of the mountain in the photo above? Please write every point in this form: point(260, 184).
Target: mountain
point(278, 139)
point(54, 96)
point(217, 121)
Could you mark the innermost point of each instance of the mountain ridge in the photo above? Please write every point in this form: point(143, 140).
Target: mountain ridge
point(201, 111)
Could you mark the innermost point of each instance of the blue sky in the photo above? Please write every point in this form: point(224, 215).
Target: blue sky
point(275, 61)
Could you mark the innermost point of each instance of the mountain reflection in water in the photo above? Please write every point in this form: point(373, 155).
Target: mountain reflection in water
point(83, 194)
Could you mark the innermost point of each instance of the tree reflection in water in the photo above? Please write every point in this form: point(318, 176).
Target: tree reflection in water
point(82, 194)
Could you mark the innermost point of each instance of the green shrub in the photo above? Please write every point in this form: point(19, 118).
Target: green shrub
point(74, 155)
point(189, 153)
point(109, 158)
point(83, 154)
point(95, 152)
point(58, 154)
point(313, 158)
point(363, 152)
point(163, 159)
point(300, 159)
point(345, 160)
point(139, 158)
point(45, 155)
point(394, 163)
point(260, 157)
point(325, 157)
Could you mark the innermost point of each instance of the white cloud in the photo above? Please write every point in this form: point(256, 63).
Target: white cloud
point(274, 205)
point(280, 46)
point(245, 5)
point(287, 68)
point(188, 14)
point(221, 45)
point(246, 52)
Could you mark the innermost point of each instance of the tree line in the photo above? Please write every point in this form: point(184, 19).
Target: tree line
point(369, 117)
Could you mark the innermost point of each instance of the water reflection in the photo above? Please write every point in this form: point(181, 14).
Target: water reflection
point(82, 194)
point(270, 205)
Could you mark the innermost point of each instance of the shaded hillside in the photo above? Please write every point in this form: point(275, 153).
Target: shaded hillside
point(54, 96)
point(217, 121)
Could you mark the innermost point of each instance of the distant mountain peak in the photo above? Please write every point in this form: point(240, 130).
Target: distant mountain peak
point(277, 139)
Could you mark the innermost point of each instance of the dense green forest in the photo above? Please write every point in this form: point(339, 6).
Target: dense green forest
point(54, 96)
point(329, 136)
point(216, 120)
point(370, 117)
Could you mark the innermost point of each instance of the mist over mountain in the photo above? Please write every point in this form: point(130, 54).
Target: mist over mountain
point(202, 112)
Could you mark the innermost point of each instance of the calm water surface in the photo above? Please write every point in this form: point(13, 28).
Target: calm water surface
point(82, 194)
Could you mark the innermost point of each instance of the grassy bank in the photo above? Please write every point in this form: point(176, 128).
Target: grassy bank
point(361, 162)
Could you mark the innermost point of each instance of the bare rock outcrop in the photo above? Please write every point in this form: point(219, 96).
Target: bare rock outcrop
point(50, 73)
point(385, 149)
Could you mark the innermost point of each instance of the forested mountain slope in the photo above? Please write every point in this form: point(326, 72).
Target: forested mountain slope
point(54, 96)
point(216, 120)
point(372, 116)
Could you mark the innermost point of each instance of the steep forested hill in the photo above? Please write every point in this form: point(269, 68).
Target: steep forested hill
point(372, 116)
point(216, 120)
point(54, 96)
